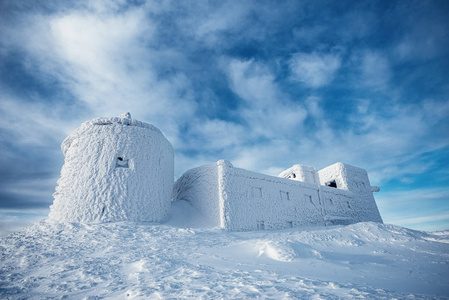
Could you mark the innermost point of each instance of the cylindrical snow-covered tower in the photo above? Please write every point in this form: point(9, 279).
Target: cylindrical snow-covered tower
point(115, 169)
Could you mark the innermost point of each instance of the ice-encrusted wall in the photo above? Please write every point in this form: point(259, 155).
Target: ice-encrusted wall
point(352, 201)
point(247, 200)
point(256, 202)
point(115, 169)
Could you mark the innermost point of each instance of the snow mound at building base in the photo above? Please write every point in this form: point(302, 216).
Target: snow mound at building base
point(127, 260)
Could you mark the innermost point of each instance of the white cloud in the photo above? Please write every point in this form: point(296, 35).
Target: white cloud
point(375, 68)
point(34, 124)
point(314, 69)
point(267, 110)
point(253, 82)
point(105, 59)
point(229, 15)
point(216, 134)
point(261, 157)
point(108, 64)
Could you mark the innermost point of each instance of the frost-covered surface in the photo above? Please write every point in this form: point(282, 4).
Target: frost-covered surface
point(301, 173)
point(124, 119)
point(352, 200)
point(180, 259)
point(115, 169)
point(244, 200)
point(260, 202)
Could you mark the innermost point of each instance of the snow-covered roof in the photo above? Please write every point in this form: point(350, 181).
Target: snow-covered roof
point(123, 119)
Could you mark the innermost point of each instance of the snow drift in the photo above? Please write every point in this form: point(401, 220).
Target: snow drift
point(127, 260)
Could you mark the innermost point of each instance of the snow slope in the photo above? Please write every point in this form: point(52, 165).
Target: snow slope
point(185, 258)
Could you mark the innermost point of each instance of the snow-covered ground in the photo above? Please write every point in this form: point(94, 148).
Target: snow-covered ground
point(184, 258)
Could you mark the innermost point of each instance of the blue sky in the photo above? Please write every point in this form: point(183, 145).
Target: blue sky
point(264, 84)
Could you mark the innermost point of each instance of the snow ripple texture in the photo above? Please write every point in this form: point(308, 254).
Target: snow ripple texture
point(115, 169)
point(181, 259)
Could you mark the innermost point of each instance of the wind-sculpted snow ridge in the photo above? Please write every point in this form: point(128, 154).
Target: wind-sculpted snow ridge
point(128, 260)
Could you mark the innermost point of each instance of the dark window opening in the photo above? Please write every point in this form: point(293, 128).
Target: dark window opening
point(331, 184)
point(121, 162)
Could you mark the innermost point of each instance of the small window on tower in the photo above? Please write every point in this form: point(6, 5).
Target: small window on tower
point(121, 162)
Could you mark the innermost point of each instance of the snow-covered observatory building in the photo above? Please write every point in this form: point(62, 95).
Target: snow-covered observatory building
point(237, 199)
point(115, 169)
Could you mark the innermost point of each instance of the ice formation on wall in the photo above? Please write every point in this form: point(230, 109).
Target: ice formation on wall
point(238, 199)
point(115, 169)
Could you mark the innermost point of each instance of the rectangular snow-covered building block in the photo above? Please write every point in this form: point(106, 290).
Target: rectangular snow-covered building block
point(237, 199)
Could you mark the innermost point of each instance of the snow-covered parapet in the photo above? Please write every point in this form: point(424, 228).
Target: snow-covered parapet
point(238, 199)
point(115, 169)
point(301, 173)
point(361, 206)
